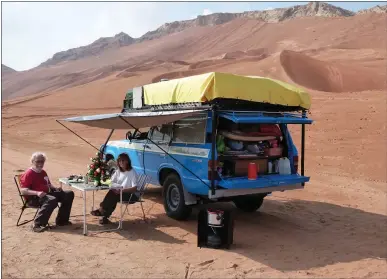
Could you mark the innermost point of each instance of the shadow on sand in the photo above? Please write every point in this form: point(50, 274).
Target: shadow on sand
point(285, 235)
point(133, 229)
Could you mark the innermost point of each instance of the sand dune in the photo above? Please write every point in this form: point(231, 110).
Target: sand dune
point(329, 76)
point(311, 73)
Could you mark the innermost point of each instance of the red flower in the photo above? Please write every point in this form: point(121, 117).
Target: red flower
point(92, 166)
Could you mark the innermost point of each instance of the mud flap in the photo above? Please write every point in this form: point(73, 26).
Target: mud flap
point(190, 199)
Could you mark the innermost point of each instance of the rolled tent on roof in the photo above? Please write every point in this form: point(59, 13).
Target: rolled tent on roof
point(210, 86)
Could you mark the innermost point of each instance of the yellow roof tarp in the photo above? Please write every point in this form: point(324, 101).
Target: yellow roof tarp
point(209, 86)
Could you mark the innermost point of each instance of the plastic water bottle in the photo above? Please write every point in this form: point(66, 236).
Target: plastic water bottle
point(284, 166)
point(270, 167)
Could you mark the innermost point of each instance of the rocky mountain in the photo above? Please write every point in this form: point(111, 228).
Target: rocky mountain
point(6, 70)
point(377, 9)
point(320, 9)
point(272, 16)
point(94, 48)
point(312, 9)
point(177, 26)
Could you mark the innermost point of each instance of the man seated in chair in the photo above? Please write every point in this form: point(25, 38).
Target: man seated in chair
point(125, 177)
point(36, 185)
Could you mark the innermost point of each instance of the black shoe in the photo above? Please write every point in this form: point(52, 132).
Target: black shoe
point(67, 223)
point(38, 228)
point(96, 212)
point(105, 221)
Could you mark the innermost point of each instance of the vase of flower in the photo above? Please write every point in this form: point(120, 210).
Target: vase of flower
point(98, 169)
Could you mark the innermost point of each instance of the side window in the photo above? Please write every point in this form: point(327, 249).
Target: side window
point(190, 130)
point(162, 133)
point(156, 134)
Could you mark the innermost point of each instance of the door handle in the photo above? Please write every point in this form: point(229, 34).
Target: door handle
point(147, 146)
point(162, 154)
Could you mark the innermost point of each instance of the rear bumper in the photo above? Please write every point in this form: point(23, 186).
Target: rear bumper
point(264, 184)
point(223, 193)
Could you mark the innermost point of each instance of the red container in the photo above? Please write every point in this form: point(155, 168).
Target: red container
point(252, 173)
point(273, 152)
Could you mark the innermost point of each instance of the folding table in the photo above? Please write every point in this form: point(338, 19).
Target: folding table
point(84, 188)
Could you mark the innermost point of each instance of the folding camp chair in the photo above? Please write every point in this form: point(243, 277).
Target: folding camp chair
point(25, 203)
point(143, 182)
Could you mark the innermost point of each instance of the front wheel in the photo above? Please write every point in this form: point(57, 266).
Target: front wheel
point(173, 196)
point(249, 203)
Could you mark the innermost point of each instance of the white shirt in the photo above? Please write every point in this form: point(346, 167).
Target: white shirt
point(126, 179)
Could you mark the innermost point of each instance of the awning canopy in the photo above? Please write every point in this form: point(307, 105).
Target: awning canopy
point(128, 120)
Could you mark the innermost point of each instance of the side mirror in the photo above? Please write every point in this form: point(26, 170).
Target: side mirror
point(129, 136)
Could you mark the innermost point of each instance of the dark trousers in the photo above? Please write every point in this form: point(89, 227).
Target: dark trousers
point(49, 202)
point(111, 199)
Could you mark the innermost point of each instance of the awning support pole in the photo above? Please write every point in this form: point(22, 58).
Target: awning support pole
point(168, 154)
point(303, 146)
point(213, 147)
point(77, 135)
point(107, 140)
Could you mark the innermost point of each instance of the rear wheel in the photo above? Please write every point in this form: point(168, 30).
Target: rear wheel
point(173, 196)
point(249, 203)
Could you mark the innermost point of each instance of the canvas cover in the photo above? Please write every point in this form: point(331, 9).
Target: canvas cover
point(210, 86)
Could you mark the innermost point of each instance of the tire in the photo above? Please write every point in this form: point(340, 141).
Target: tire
point(250, 203)
point(173, 198)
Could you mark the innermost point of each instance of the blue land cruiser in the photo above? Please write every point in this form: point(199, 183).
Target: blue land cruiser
point(178, 157)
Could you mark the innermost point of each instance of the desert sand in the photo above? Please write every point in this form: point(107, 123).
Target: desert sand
point(335, 227)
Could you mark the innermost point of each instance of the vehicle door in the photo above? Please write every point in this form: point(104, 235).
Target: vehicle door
point(154, 157)
point(136, 151)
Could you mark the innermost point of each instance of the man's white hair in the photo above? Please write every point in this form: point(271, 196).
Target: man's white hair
point(37, 155)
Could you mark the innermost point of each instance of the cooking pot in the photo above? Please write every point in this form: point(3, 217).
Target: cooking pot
point(215, 217)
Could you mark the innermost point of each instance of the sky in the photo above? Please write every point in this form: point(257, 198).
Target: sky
point(33, 32)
